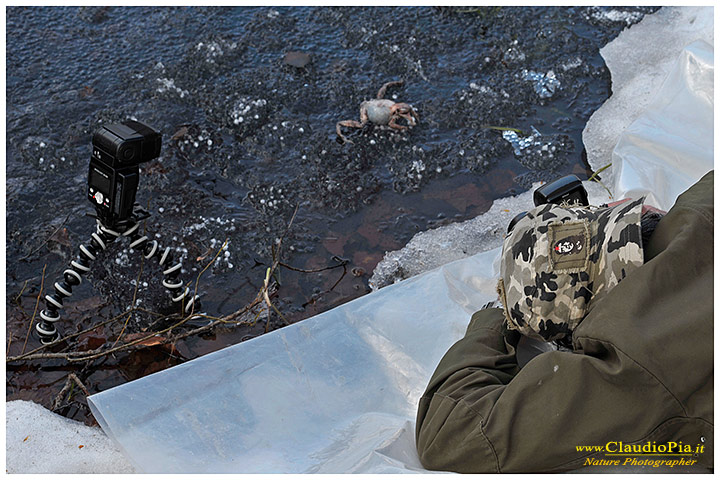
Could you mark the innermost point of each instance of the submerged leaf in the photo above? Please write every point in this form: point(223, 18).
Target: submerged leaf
point(297, 59)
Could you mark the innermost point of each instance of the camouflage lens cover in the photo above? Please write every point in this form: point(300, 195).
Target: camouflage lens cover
point(558, 259)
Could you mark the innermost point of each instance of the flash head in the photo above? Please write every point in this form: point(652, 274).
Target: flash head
point(125, 144)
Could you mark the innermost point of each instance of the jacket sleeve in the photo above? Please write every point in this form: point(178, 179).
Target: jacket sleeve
point(449, 430)
point(480, 414)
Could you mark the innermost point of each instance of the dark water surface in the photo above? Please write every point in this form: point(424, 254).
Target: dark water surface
point(248, 138)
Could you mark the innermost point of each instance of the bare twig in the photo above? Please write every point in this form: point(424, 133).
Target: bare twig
point(80, 384)
point(74, 357)
point(266, 297)
point(224, 320)
point(61, 340)
point(71, 379)
point(595, 178)
point(61, 394)
point(37, 302)
point(270, 271)
point(264, 291)
point(344, 265)
point(197, 280)
point(17, 299)
point(598, 171)
point(312, 299)
point(315, 270)
point(47, 239)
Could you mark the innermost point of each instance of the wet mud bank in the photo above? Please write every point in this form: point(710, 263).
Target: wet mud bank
point(247, 100)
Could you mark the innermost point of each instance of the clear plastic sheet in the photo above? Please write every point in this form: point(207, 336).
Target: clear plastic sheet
point(338, 393)
point(671, 144)
point(333, 393)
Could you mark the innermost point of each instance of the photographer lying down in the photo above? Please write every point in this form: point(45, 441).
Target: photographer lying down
point(628, 296)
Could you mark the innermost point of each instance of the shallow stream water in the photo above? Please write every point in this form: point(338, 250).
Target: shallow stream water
point(249, 136)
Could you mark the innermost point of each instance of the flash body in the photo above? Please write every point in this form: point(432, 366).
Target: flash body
point(114, 173)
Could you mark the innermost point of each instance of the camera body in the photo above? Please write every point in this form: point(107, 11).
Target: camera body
point(567, 189)
point(117, 151)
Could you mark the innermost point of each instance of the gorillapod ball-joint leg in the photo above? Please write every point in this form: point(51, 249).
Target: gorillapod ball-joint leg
point(99, 241)
point(171, 272)
point(72, 277)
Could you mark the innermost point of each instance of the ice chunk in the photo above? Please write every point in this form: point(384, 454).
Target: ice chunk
point(614, 16)
point(168, 84)
point(543, 154)
point(545, 83)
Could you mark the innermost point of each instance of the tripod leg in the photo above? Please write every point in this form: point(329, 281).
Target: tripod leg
point(71, 277)
point(182, 297)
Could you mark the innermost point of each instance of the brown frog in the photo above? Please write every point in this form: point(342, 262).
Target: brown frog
point(381, 111)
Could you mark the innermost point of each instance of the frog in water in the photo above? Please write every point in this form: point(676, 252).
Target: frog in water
point(381, 111)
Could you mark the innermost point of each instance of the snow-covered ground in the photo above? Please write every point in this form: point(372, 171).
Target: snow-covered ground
point(39, 441)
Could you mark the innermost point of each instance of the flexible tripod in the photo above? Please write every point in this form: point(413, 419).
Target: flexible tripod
point(100, 239)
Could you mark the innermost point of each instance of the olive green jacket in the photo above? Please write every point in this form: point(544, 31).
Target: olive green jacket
point(641, 370)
